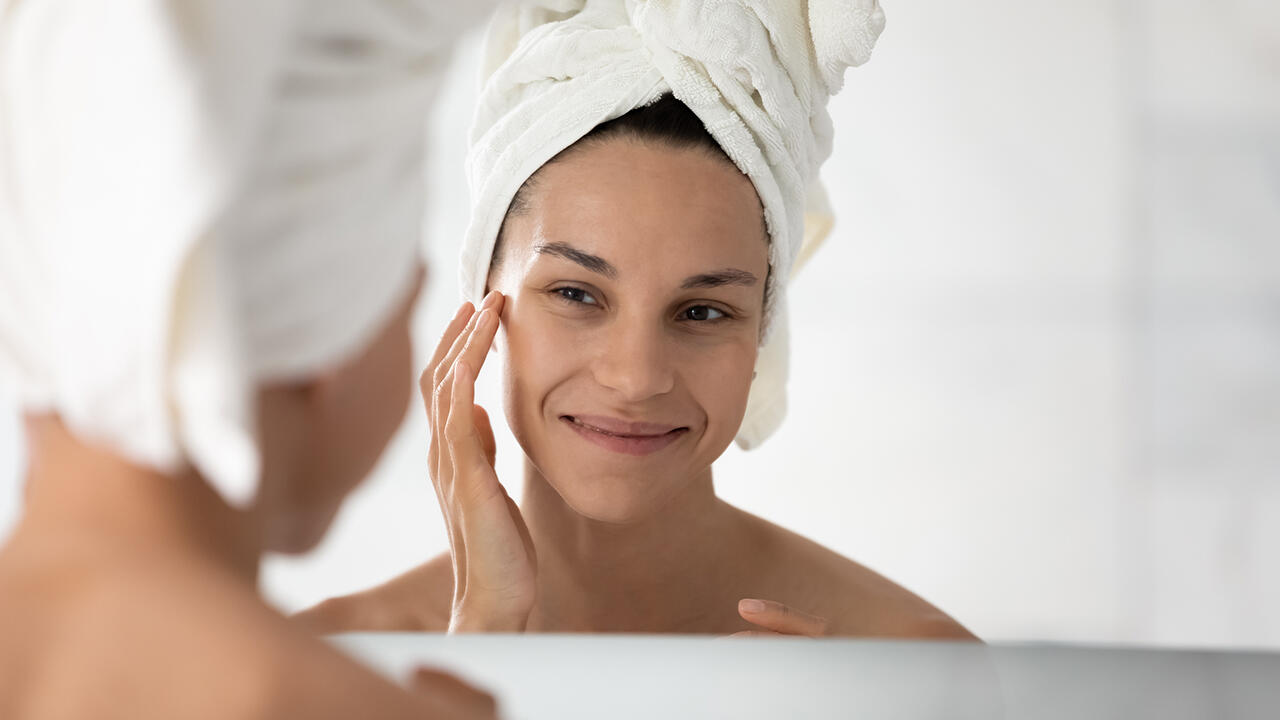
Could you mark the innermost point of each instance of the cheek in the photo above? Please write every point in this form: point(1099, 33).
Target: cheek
point(370, 407)
point(719, 380)
point(538, 352)
point(389, 391)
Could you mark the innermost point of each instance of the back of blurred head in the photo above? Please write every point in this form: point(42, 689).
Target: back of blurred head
point(208, 263)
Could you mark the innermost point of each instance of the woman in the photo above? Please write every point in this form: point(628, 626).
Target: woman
point(204, 313)
point(127, 591)
point(636, 275)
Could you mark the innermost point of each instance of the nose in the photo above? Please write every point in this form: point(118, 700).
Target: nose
point(634, 361)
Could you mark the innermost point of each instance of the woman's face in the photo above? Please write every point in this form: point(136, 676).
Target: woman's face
point(635, 285)
point(321, 437)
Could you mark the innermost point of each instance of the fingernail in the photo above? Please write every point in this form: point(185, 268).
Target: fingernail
point(463, 310)
point(751, 606)
point(486, 318)
point(491, 298)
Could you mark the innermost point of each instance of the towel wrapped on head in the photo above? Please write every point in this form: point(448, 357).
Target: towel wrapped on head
point(758, 73)
point(200, 197)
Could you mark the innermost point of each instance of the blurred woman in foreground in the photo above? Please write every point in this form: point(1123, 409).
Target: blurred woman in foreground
point(208, 261)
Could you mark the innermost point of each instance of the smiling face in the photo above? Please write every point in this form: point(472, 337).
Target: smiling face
point(635, 281)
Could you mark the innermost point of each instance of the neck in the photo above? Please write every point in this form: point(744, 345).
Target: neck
point(82, 496)
point(656, 574)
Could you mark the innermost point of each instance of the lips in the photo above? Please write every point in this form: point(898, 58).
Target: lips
point(624, 436)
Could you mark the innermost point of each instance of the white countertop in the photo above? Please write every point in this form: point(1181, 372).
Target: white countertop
point(648, 676)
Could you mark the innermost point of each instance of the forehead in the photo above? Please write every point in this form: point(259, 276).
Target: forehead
point(633, 201)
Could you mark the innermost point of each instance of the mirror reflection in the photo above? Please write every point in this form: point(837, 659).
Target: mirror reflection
point(687, 319)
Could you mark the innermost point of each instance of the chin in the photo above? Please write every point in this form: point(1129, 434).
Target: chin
point(610, 497)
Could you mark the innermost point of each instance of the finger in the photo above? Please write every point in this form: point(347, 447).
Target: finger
point(443, 474)
point(446, 358)
point(464, 318)
point(438, 405)
point(441, 369)
point(461, 403)
point(442, 392)
point(452, 697)
point(781, 618)
point(442, 362)
point(476, 348)
point(440, 377)
point(451, 333)
point(460, 451)
point(465, 447)
point(427, 384)
point(485, 428)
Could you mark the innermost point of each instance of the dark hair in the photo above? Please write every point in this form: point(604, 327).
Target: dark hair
point(667, 120)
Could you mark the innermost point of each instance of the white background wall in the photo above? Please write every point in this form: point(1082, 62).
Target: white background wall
point(1036, 369)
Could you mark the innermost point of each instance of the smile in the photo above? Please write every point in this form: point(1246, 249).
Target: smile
point(624, 437)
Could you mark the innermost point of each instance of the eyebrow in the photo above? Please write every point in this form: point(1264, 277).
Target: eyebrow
point(728, 276)
point(594, 263)
point(597, 264)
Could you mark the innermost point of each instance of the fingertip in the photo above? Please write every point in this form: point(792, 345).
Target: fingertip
point(751, 606)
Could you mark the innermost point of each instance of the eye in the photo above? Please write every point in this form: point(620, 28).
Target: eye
point(574, 295)
point(701, 313)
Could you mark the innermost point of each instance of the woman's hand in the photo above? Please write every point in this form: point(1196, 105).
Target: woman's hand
point(778, 619)
point(494, 563)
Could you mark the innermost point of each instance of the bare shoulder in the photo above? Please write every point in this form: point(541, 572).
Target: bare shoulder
point(855, 600)
point(133, 629)
point(419, 600)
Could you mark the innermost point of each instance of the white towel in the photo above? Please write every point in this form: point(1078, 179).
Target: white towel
point(198, 196)
point(757, 72)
